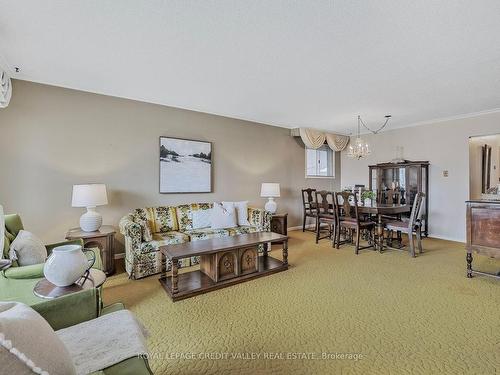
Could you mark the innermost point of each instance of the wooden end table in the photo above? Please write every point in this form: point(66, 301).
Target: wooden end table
point(104, 239)
point(279, 224)
point(45, 289)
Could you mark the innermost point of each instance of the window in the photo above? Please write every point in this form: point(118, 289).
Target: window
point(320, 162)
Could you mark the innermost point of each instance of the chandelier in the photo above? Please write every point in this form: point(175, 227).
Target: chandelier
point(361, 149)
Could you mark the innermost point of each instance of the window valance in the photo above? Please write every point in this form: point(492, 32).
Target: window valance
point(312, 138)
point(315, 139)
point(337, 142)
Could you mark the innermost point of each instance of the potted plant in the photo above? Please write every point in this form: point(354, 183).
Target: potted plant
point(368, 197)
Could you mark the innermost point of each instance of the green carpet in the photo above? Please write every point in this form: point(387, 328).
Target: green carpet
point(397, 314)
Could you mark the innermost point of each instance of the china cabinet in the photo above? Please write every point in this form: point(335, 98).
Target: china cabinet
point(407, 179)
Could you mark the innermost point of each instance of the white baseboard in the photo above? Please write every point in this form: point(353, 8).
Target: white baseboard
point(439, 237)
point(299, 227)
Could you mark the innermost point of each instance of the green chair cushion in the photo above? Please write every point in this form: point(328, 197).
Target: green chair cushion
point(33, 271)
point(6, 247)
point(9, 235)
point(71, 309)
point(13, 224)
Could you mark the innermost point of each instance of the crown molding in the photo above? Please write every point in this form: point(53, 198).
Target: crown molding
point(451, 118)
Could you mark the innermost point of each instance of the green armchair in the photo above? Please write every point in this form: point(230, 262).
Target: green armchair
point(73, 309)
point(13, 225)
point(17, 282)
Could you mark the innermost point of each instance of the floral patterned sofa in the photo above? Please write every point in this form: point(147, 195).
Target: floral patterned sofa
point(146, 229)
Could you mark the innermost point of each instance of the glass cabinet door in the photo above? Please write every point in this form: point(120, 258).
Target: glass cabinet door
point(413, 176)
point(410, 178)
point(423, 172)
point(402, 184)
point(387, 178)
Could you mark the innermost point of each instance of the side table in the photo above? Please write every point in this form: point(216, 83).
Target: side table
point(104, 239)
point(45, 289)
point(279, 224)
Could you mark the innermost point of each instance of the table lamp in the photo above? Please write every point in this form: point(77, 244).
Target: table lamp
point(90, 196)
point(270, 190)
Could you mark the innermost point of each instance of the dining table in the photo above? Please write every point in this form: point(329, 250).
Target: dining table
point(381, 209)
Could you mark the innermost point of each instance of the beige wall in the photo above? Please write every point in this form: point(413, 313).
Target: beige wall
point(446, 145)
point(52, 138)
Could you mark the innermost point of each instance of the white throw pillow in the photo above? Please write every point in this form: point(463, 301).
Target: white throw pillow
point(28, 344)
point(223, 215)
point(242, 212)
point(27, 249)
point(202, 218)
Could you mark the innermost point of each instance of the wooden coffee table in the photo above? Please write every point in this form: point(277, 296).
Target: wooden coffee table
point(223, 262)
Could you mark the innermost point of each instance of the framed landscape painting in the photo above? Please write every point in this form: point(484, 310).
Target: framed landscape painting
point(185, 166)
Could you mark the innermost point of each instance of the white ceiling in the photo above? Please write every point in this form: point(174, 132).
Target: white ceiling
point(281, 62)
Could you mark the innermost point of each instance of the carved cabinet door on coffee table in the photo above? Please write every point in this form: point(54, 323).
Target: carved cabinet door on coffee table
point(248, 260)
point(228, 264)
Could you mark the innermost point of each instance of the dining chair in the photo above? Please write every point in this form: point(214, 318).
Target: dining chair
point(325, 214)
point(409, 227)
point(309, 206)
point(348, 218)
point(393, 196)
point(389, 196)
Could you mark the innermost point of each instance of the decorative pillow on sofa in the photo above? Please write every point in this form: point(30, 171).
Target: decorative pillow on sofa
point(242, 212)
point(140, 218)
point(184, 214)
point(27, 249)
point(223, 215)
point(23, 332)
point(202, 218)
point(163, 219)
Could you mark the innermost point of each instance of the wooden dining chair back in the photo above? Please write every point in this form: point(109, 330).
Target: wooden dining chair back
point(347, 215)
point(390, 196)
point(345, 209)
point(324, 201)
point(416, 210)
point(393, 196)
point(309, 205)
point(412, 225)
point(325, 214)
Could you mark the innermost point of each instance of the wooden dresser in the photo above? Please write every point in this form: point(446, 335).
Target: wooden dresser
point(483, 232)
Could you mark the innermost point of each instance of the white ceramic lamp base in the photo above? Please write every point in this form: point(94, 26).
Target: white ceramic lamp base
point(91, 220)
point(271, 205)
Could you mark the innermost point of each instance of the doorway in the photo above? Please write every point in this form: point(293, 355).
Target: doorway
point(484, 166)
